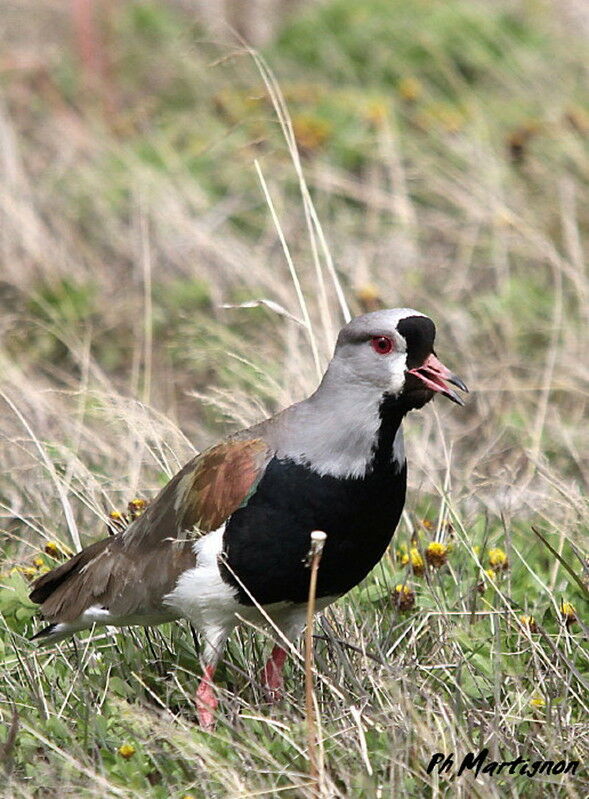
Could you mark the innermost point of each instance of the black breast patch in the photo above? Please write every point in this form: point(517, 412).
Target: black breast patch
point(266, 541)
point(419, 332)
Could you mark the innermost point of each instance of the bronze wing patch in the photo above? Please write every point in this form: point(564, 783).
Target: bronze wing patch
point(204, 493)
point(223, 478)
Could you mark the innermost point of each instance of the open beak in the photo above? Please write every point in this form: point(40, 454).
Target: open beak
point(436, 377)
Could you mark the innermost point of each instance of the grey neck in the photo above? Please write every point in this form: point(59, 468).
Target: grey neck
point(340, 439)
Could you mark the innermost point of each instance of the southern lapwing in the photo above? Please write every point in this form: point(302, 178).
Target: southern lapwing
point(230, 532)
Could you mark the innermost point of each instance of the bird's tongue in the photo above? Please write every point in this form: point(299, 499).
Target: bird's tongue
point(435, 376)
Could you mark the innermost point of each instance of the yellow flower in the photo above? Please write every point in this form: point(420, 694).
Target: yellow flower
point(368, 297)
point(482, 585)
point(38, 561)
point(403, 597)
point(376, 112)
point(476, 549)
point(137, 506)
point(415, 559)
point(498, 559)
point(427, 524)
point(529, 622)
point(537, 701)
point(118, 521)
point(127, 751)
point(568, 613)
point(56, 549)
point(310, 131)
point(436, 554)
point(401, 552)
point(27, 571)
point(410, 89)
point(52, 549)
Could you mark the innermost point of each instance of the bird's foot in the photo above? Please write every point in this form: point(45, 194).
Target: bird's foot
point(206, 701)
point(271, 677)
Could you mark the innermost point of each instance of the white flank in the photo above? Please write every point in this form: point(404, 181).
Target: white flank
point(204, 598)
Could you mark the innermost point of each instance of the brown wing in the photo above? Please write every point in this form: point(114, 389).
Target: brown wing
point(110, 575)
point(130, 573)
point(205, 492)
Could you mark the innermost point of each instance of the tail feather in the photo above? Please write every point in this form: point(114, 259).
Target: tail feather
point(53, 633)
point(44, 633)
point(44, 586)
point(108, 583)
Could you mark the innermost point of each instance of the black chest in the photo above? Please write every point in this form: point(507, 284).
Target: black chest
point(266, 541)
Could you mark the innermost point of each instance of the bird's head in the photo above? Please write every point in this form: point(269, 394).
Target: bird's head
point(393, 350)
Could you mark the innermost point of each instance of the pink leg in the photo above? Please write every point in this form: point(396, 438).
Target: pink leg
point(206, 700)
point(271, 676)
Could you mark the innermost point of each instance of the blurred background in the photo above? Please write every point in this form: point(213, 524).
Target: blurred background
point(444, 149)
point(161, 160)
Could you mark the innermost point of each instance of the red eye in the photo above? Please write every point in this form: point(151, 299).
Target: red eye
point(382, 344)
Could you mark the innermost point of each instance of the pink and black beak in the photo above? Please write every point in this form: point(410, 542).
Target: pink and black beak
point(435, 376)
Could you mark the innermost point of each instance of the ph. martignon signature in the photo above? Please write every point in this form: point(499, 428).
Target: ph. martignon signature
point(479, 763)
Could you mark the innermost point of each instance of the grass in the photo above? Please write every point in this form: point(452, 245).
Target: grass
point(434, 155)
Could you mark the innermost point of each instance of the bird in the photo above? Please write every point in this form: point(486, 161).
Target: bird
point(227, 538)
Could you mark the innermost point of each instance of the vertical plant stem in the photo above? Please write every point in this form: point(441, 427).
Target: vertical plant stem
point(147, 307)
point(292, 270)
point(318, 538)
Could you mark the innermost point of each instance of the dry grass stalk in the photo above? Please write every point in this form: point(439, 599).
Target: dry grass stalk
point(318, 538)
point(493, 252)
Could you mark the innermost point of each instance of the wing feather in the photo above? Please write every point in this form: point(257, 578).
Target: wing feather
point(128, 574)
